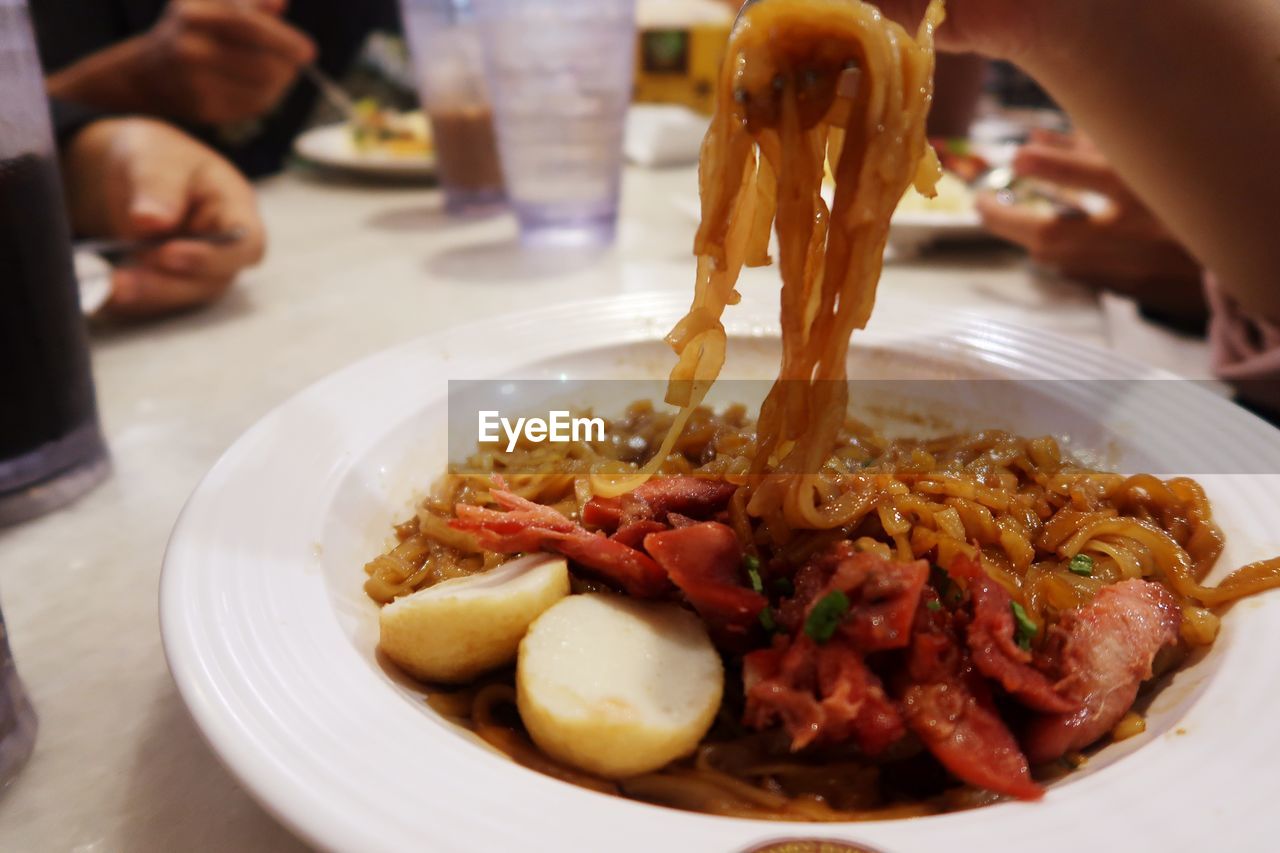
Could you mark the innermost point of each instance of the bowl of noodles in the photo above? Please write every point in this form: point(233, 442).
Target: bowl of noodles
point(957, 576)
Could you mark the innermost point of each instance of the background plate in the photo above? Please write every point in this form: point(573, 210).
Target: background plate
point(331, 146)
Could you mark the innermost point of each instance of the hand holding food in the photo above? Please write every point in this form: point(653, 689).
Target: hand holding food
point(204, 61)
point(138, 178)
point(1123, 248)
point(1119, 70)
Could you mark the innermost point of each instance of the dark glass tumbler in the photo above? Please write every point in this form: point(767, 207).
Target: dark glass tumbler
point(51, 448)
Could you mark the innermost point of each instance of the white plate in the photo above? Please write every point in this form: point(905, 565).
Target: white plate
point(271, 640)
point(332, 146)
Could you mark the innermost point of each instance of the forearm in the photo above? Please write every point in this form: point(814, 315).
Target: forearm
point(112, 79)
point(1183, 97)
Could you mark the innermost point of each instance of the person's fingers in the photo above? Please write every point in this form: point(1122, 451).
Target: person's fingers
point(272, 7)
point(244, 24)
point(1047, 238)
point(1068, 168)
point(156, 194)
point(237, 98)
point(224, 201)
point(1011, 222)
point(142, 291)
point(256, 70)
point(194, 259)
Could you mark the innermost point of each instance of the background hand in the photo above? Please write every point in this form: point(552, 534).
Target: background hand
point(137, 178)
point(221, 61)
point(1125, 248)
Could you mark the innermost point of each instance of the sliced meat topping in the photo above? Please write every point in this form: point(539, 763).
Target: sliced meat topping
point(527, 527)
point(995, 653)
point(949, 707)
point(704, 561)
point(820, 694)
point(1106, 652)
point(883, 596)
point(694, 497)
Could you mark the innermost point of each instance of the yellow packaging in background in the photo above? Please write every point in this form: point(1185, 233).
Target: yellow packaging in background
point(679, 51)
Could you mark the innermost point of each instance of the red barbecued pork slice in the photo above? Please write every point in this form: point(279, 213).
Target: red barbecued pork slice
point(949, 707)
point(883, 599)
point(820, 694)
point(632, 535)
point(529, 527)
point(821, 689)
point(704, 561)
point(995, 654)
point(883, 595)
point(1107, 650)
point(695, 497)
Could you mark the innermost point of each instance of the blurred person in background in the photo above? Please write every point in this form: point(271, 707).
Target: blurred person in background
point(138, 177)
point(226, 70)
point(1194, 140)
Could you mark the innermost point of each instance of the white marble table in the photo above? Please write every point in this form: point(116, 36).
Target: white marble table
point(352, 269)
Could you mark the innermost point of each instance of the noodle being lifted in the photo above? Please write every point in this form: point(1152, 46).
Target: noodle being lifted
point(804, 80)
point(796, 617)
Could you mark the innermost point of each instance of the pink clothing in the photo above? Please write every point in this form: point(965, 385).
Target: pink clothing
point(1246, 350)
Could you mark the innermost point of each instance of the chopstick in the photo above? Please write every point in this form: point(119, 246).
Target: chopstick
point(329, 89)
point(113, 247)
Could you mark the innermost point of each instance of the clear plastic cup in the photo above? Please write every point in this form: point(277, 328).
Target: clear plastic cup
point(560, 76)
point(445, 43)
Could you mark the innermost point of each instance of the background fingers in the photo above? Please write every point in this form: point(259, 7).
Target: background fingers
point(143, 292)
point(1066, 167)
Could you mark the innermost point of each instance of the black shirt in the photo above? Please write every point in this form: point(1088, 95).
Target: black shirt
point(69, 30)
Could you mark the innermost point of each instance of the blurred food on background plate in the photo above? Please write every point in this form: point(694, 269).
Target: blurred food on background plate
point(960, 157)
point(953, 196)
point(961, 166)
point(376, 128)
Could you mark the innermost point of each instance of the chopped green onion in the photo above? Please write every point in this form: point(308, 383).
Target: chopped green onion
point(948, 590)
point(1081, 564)
point(752, 562)
point(784, 587)
point(1026, 629)
point(766, 619)
point(933, 605)
point(825, 616)
point(753, 573)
